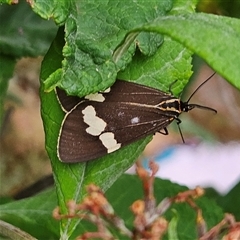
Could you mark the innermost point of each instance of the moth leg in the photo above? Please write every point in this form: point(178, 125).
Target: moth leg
point(163, 131)
point(178, 121)
point(180, 131)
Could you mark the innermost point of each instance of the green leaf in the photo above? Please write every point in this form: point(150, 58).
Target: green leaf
point(70, 179)
point(55, 9)
point(230, 201)
point(33, 215)
point(170, 63)
point(23, 33)
point(203, 34)
point(172, 227)
point(6, 1)
point(93, 31)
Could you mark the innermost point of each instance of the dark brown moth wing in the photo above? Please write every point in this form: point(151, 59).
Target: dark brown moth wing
point(124, 123)
point(133, 123)
point(67, 102)
point(74, 143)
point(123, 91)
point(101, 123)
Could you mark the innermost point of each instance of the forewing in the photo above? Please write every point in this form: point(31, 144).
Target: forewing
point(130, 123)
point(123, 122)
point(74, 143)
point(103, 122)
point(123, 91)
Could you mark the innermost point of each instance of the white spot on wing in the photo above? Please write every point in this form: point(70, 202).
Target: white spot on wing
point(97, 97)
point(107, 90)
point(109, 142)
point(96, 124)
point(120, 114)
point(135, 120)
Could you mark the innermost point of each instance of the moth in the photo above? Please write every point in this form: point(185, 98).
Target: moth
point(101, 123)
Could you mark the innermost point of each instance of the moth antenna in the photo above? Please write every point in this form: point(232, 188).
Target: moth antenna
point(200, 87)
point(202, 107)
